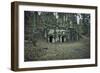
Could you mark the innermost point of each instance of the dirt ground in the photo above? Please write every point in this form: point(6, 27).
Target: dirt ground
point(56, 51)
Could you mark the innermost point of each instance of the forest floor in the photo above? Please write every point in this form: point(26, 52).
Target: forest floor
point(57, 51)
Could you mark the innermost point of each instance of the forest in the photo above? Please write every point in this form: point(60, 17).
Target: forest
point(56, 35)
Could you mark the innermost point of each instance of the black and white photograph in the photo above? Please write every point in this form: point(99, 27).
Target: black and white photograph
point(56, 36)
